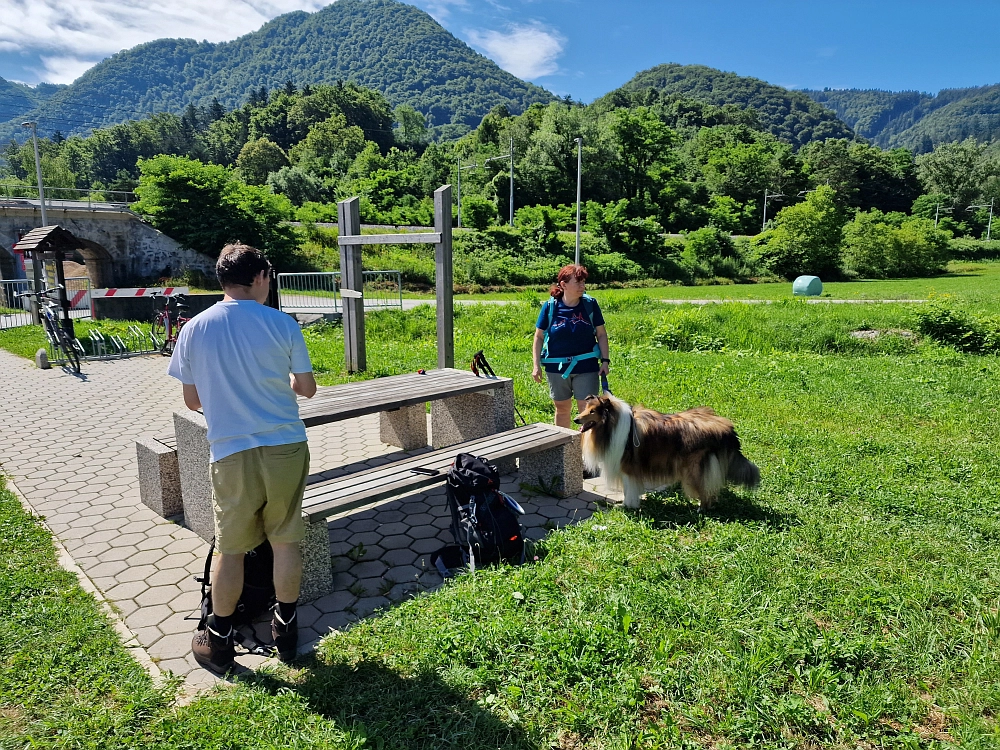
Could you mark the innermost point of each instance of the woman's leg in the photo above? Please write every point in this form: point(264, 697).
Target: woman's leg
point(564, 410)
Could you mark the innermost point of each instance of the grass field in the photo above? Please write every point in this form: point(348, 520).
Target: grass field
point(852, 602)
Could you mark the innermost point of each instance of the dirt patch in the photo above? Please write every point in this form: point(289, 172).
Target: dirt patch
point(570, 741)
point(871, 334)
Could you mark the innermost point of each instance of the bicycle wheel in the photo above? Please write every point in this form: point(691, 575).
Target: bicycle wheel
point(68, 350)
point(158, 331)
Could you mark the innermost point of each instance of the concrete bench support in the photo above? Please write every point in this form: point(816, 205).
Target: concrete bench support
point(317, 574)
point(405, 428)
point(557, 471)
point(159, 479)
point(472, 415)
point(196, 481)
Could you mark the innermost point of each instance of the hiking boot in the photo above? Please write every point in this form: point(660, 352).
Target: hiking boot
point(285, 635)
point(213, 651)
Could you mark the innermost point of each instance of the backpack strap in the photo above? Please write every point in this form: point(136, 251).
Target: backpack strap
point(588, 305)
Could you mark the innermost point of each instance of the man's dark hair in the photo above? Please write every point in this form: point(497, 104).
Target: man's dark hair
point(238, 265)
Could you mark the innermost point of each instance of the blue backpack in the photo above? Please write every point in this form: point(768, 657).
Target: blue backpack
point(588, 305)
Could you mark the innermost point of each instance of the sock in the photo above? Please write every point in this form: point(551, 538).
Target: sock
point(221, 625)
point(286, 611)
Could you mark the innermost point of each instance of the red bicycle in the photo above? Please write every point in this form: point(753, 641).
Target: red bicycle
point(168, 321)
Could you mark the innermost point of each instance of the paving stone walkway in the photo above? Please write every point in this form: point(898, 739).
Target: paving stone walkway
point(68, 445)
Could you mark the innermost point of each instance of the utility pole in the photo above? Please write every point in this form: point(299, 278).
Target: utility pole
point(36, 257)
point(763, 226)
point(460, 168)
point(512, 180)
point(579, 173)
point(989, 227)
point(937, 212)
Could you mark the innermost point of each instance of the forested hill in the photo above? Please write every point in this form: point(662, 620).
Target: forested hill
point(916, 120)
point(789, 115)
point(381, 44)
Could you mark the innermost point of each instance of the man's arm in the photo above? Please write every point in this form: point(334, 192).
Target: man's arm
point(304, 384)
point(191, 398)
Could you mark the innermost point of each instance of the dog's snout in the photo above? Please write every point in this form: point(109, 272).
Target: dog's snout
point(577, 420)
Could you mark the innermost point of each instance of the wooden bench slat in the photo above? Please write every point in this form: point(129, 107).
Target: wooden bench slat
point(508, 444)
point(355, 490)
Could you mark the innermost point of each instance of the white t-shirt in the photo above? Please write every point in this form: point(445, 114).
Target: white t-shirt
point(238, 354)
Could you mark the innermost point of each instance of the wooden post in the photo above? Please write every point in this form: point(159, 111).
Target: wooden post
point(67, 322)
point(352, 286)
point(444, 278)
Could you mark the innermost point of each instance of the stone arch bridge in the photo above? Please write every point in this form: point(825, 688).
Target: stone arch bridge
point(117, 245)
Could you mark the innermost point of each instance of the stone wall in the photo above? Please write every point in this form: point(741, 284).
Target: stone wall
point(118, 246)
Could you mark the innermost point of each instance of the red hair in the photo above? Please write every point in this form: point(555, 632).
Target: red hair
point(566, 273)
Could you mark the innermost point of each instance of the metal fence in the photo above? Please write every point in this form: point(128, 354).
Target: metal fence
point(57, 196)
point(320, 292)
point(15, 311)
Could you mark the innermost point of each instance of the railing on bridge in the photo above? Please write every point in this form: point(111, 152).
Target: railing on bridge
point(58, 197)
point(319, 292)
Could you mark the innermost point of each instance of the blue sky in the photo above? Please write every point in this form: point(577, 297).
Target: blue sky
point(582, 48)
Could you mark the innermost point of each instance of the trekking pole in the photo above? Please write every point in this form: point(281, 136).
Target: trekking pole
point(479, 362)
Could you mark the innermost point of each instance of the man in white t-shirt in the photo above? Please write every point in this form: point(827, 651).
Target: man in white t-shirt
point(242, 364)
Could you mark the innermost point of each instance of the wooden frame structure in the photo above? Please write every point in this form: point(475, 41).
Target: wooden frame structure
point(50, 243)
point(352, 279)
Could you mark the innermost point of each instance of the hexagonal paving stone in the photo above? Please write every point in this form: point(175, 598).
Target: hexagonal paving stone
point(422, 532)
point(157, 595)
point(128, 590)
point(171, 646)
point(147, 557)
point(113, 568)
point(391, 517)
point(425, 546)
point(335, 602)
point(552, 511)
point(402, 573)
point(391, 529)
point(147, 617)
point(368, 537)
point(402, 591)
point(395, 557)
point(368, 605)
point(343, 580)
point(396, 542)
point(363, 524)
point(370, 569)
point(171, 576)
point(333, 621)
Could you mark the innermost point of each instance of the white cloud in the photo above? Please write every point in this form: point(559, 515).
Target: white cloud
point(441, 9)
point(528, 51)
point(69, 37)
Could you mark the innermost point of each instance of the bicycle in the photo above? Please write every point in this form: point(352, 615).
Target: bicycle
point(57, 337)
point(167, 323)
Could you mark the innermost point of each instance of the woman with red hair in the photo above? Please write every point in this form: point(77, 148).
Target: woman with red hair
point(571, 343)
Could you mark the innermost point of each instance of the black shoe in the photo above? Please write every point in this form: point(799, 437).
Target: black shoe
point(213, 651)
point(285, 635)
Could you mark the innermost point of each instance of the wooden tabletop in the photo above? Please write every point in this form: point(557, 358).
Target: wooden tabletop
point(333, 403)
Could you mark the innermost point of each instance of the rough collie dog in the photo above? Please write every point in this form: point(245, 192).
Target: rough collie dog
point(638, 449)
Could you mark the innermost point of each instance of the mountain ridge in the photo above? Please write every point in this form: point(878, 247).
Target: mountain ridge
point(386, 45)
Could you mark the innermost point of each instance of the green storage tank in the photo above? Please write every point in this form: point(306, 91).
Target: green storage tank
point(807, 286)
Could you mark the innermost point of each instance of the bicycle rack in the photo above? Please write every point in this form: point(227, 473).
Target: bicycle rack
point(98, 344)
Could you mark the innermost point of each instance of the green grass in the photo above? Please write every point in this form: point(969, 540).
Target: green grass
point(851, 602)
point(24, 341)
point(972, 280)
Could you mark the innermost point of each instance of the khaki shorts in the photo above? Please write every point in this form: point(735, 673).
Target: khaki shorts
point(258, 495)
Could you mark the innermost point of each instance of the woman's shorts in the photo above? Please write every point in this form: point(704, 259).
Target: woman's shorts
point(579, 385)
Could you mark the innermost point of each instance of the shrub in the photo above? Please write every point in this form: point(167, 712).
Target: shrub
point(966, 248)
point(877, 245)
point(942, 320)
point(478, 212)
point(805, 238)
point(606, 267)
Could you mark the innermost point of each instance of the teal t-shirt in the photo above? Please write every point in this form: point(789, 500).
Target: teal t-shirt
point(571, 333)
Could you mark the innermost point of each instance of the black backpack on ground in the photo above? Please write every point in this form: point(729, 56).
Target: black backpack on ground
point(483, 519)
point(256, 598)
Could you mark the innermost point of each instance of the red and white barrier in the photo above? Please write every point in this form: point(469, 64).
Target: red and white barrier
point(138, 292)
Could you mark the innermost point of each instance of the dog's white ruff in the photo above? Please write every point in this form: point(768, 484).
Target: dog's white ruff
point(609, 463)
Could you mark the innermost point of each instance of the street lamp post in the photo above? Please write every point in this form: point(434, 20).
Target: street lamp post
point(989, 226)
point(579, 173)
point(460, 168)
point(763, 226)
point(937, 212)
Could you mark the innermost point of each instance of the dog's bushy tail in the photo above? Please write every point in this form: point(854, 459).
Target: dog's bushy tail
point(743, 472)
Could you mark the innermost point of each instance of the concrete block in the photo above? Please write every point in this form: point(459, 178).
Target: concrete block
point(473, 415)
point(159, 477)
point(317, 573)
point(195, 477)
point(557, 471)
point(405, 427)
